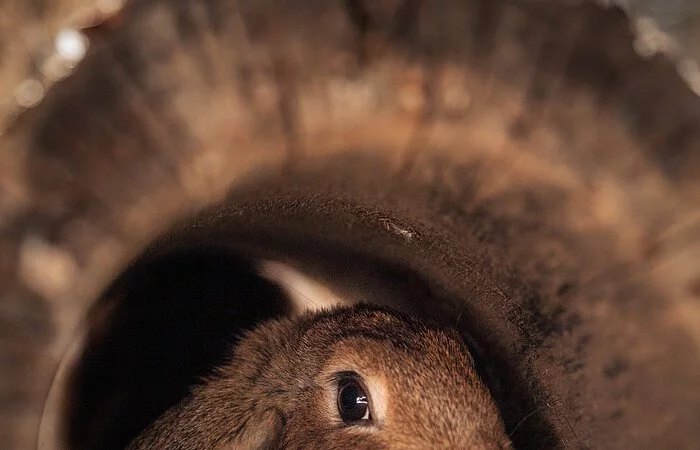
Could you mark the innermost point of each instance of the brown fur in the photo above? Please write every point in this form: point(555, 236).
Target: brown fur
point(278, 389)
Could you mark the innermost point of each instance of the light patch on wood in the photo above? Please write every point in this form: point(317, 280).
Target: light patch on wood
point(47, 270)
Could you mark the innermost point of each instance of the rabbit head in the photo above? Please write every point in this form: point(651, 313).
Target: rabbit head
point(350, 377)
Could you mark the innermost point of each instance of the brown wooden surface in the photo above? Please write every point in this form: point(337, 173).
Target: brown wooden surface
point(525, 144)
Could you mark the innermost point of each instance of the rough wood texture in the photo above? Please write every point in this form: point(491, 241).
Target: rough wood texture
point(545, 173)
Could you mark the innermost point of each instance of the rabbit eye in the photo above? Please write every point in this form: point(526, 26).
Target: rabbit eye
point(353, 402)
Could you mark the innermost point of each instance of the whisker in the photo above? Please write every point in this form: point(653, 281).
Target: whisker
point(290, 287)
point(527, 416)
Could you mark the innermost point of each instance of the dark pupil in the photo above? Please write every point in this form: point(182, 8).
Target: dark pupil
point(352, 401)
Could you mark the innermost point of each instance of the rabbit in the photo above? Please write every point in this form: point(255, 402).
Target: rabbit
point(358, 376)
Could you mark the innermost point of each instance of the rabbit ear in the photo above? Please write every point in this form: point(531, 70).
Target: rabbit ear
point(185, 427)
point(262, 431)
point(304, 292)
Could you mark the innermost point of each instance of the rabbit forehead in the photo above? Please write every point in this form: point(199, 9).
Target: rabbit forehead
point(372, 322)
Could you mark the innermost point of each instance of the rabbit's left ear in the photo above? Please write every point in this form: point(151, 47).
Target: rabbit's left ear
point(262, 431)
point(303, 291)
